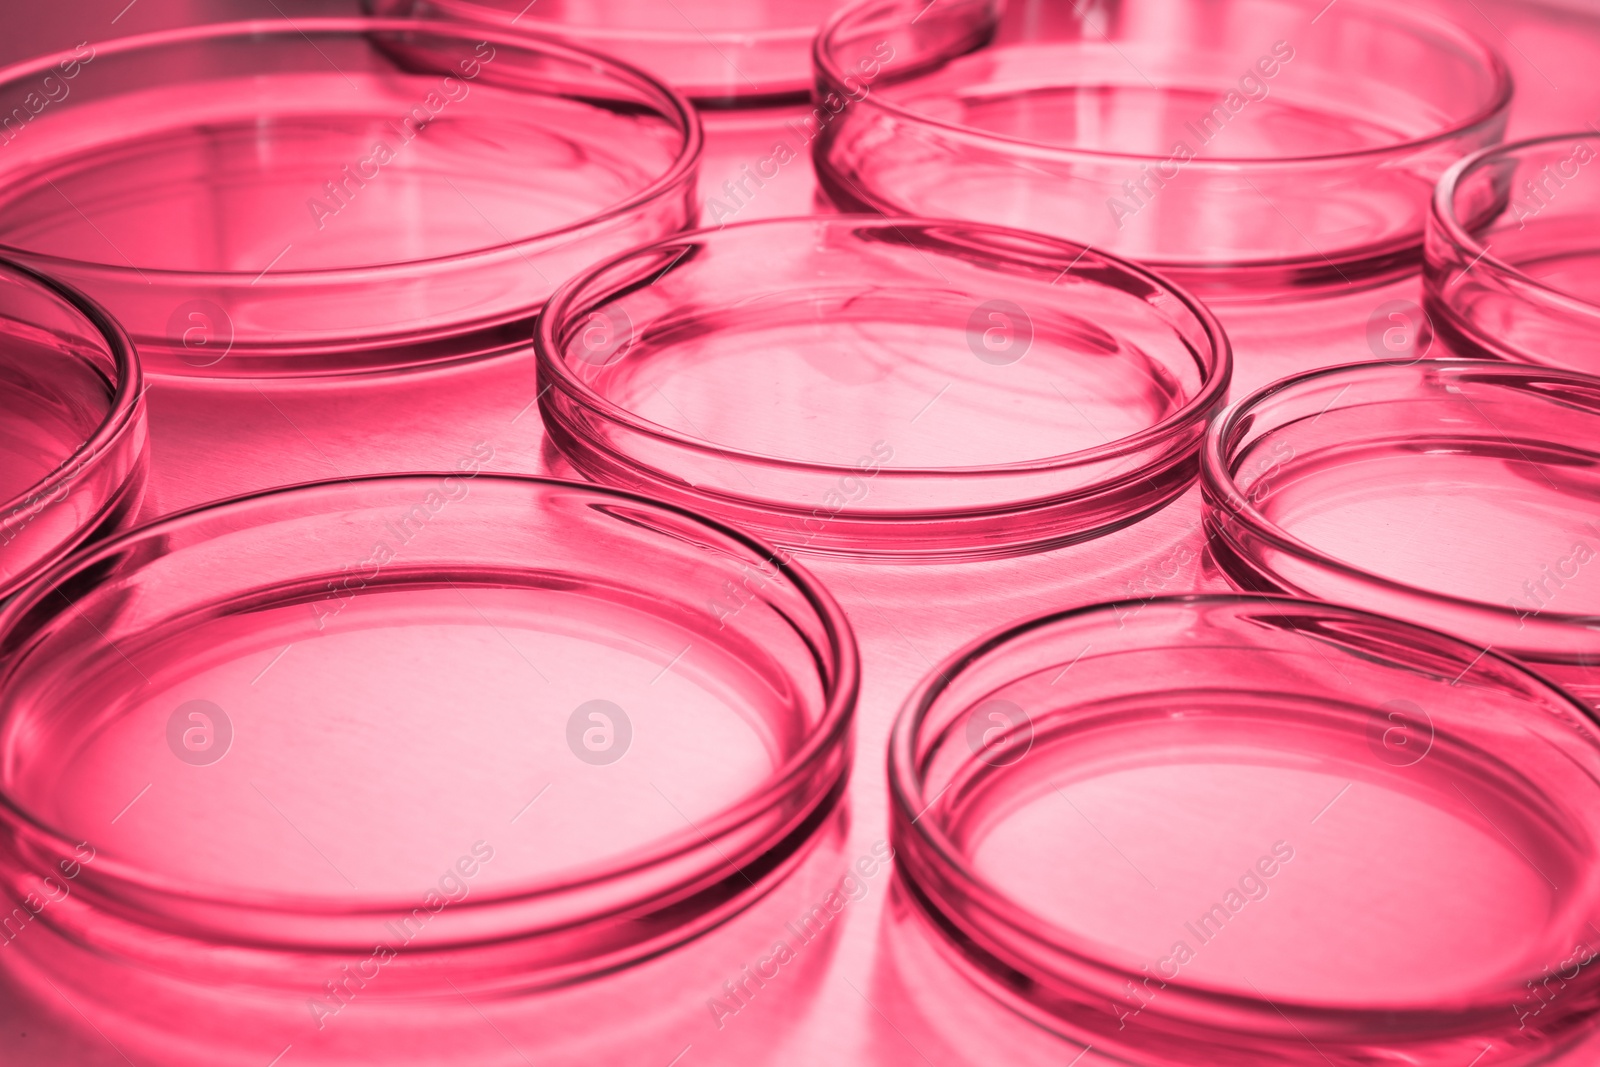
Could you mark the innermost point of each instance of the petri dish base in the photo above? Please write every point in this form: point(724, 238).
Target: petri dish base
point(871, 388)
point(446, 709)
point(1256, 830)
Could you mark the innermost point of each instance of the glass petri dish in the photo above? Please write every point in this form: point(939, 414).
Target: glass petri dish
point(883, 388)
point(325, 196)
point(719, 54)
point(72, 425)
point(1513, 253)
point(1241, 147)
point(288, 728)
point(1257, 830)
point(1458, 494)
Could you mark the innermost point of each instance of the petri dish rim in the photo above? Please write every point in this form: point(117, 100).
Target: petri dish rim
point(1218, 484)
point(832, 732)
point(1442, 215)
point(552, 321)
point(908, 804)
point(682, 112)
point(127, 391)
point(1471, 45)
point(798, 37)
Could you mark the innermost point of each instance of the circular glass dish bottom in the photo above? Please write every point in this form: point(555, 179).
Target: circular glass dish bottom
point(1455, 494)
point(909, 388)
point(72, 425)
point(296, 726)
point(1257, 830)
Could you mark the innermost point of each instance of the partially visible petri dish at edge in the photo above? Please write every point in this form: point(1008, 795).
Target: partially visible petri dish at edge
point(73, 452)
point(884, 389)
point(1458, 494)
point(328, 196)
point(719, 54)
point(1513, 254)
point(1257, 831)
point(1242, 147)
point(287, 728)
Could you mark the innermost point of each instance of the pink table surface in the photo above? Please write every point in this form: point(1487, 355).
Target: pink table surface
point(876, 993)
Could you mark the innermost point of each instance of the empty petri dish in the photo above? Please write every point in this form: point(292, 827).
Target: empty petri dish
point(880, 388)
point(72, 425)
point(1239, 146)
point(719, 54)
point(1458, 494)
point(492, 713)
point(1257, 830)
point(324, 196)
point(1513, 253)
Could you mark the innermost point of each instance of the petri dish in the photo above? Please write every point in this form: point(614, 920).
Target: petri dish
point(327, 196)
point(719, 54)
point(493, 716)
point(1242, 147)
point(72, 425)
point(1257, 830)
point(1513, 247)
point(879, 389)
point(1458, 494)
